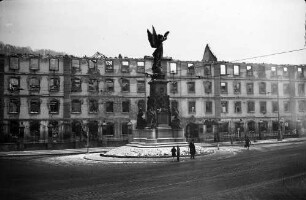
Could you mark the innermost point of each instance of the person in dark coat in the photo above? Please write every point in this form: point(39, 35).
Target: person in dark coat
point(178, 152)
point(192, 150)
point(247, 142)
point(173, 151)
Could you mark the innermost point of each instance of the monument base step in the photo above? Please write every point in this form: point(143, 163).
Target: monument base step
point(160, 142)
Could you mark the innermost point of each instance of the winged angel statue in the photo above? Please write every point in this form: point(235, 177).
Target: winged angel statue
point(156, 41)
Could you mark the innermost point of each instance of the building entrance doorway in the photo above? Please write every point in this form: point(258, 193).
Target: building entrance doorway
point(192, 132)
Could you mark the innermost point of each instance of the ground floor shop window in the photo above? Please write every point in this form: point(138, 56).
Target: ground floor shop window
point(93, 128)
point(35, 130)
point(109, 129)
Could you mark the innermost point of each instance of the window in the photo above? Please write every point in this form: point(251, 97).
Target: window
point(93, 106)
point(251, 106)
point(109, 129)
point(223, 87)
point(286, 89)
point(140, 67)
point(173, 69)
point(14, 84)
point(190, 69)
point(53, 64)
point(34, 106)
point(224, 106)
point(173, 87)
point(285, 72)
point(141, 87)
point(191, 87)
point(75, 64)
point(273, 72)
point(208, 107)
point(54, 84)
point(300, 72)
point(249, 70)
point(54, 106)
point(237, 106)
point(14, 63)
point(301, 89)
point(34, 64)
point(250, 88)
point(208, 87)
point(125, 85)
point(76, 85)
point(125, 68)
point(76, 106)
point(109, 83)
point(109, 106)
point(14, 106)
point(263, 107)
point(109, 68)
point(93, 85)
point(223, 70)
point(274, 88)
point(302, 105)
point(286, 106)
point(124, 128)
point(207, 70)
point(236, 70)
point(262, 88)
point(261, 72)
point(274, 106)
point(34, 84)
point(274, 126)
point(126, 106)
point(192, 107)
point(92, 66)
point(237, 87)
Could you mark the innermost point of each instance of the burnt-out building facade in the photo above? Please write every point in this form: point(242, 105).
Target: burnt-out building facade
point(65, 99)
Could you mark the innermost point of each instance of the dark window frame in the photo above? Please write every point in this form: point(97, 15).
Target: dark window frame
point(56, 68)
point(75, 110)
point(93, 106)
point(141, 86)
point(191, 85)
point(109, 66)
point(32, 109)
point(16, 102)
point(125, 68)
point(52, 103)
point(10, 63)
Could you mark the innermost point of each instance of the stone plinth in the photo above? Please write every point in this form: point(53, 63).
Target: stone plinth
point(163, 135)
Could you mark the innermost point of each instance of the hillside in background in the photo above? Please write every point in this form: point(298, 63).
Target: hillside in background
point(11, 49)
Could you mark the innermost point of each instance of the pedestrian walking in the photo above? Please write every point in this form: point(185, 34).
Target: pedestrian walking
point(178, 152)
point(192, 150)
point(247, 142)
point(173, 151)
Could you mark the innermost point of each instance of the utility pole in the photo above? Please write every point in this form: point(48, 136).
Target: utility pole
point(278, 115)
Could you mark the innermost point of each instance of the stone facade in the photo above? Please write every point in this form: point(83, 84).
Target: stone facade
point(55, 99)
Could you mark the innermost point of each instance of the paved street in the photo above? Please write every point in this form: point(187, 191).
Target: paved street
point(263, 172)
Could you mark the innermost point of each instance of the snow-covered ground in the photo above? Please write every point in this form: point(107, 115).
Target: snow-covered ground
point(129, 151)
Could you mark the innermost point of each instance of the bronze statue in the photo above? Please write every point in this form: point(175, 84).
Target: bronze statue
point(156, 41)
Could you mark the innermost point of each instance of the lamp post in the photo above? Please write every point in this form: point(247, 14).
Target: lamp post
point(104, 125)
point(278, 115)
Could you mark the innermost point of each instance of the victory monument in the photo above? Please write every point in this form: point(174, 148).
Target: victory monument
point(162, 125)
point(159, 129)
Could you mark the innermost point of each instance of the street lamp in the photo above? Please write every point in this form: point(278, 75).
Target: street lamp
point(278, 115)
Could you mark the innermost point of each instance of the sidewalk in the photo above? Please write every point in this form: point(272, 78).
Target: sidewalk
point(105, 149)
point(55, 152)
point(258, 142)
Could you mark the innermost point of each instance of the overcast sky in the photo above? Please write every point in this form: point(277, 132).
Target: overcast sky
point(234, 29)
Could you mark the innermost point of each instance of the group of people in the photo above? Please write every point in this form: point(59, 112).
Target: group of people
point(176, 152)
